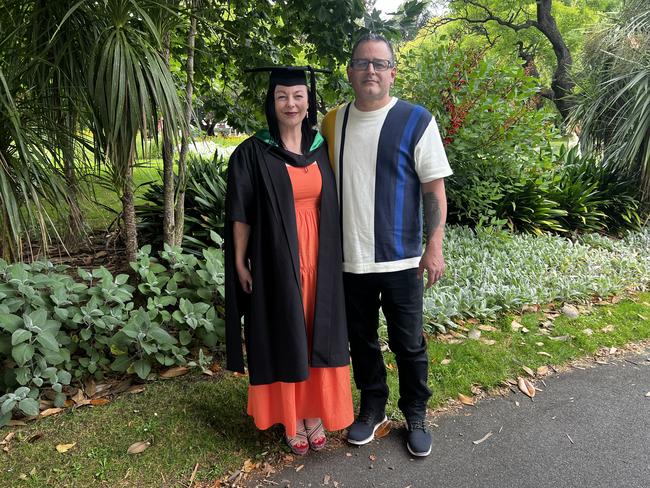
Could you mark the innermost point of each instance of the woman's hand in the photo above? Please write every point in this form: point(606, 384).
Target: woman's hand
point(241, 232)
point(245, 278)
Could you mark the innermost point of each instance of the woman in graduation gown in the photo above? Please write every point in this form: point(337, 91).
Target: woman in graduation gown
point(284, 271)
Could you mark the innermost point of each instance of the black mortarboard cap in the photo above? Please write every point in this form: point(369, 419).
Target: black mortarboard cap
point(292, 76)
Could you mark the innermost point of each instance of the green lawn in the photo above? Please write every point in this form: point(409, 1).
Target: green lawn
point(103, 205)
point(197, 419)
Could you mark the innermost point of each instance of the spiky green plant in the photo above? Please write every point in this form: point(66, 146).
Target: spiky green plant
point(613, 109)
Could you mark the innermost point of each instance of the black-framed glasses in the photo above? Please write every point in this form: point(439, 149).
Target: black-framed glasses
point(377, 64)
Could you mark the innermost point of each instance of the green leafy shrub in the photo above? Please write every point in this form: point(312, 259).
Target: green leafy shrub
point(205, 196)
point(489, 271)
point(55, 329)
point(494, 135)
point(595, 195)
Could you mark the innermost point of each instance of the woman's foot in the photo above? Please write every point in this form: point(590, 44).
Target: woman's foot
point(315, 434)
point(298, 444)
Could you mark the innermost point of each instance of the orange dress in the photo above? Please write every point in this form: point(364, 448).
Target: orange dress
point(326, 393)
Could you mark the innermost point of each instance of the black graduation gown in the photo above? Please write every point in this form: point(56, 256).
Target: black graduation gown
point(260, 194)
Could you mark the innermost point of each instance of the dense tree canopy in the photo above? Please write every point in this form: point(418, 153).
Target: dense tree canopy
point(547, 35)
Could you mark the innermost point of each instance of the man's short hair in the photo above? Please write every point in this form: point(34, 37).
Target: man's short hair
point(371, 36)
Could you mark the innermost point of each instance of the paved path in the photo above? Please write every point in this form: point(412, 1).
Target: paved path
point(588, 428)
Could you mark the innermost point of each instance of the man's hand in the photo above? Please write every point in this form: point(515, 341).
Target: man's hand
point(245, 278)
point(434, 263)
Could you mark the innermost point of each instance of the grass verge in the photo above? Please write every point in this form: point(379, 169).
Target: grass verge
point(194, 420)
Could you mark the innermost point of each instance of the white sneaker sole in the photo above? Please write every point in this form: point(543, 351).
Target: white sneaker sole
point(372, 436)
point(418, 454)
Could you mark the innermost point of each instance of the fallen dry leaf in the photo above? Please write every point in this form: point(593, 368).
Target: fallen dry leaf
point(647, 394)
point(570, 311)
point(515, 325)
point(99, 401)
point(80, 399)
point(476, 389)
point(138, 447)
point(563, 338)
point(474, 334)
point(65, 447)
point(487, 328)
point(372, 457)
point(300, 467)
point(528, 370)
point(248, 466)
point(45, 404)
point(136, 389)
point(486, 436)
point(612, 350)
point(530, 308)
point(607, 329)
point(445, 361)
point(642, 317)
point(51, 411)
point(488, 342)
point(544, 353)
point(539, 344)
point(466, 400)
point(526, 387)
point(383, 430)
point(174, 372)
point(588, 332)
point(542, 370)
point(90, 387)
point(7, 438)
point(326, 479)
point(16, 423)
point(390, 366)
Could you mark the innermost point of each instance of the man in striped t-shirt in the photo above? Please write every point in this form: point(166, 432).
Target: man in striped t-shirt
point(389, 163)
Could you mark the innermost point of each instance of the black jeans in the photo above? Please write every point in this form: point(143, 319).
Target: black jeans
point(399, 294)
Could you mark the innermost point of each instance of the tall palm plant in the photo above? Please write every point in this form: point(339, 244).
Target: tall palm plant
point(56, 35)
point(28, 178)
point(130, 88)
point(613, 109)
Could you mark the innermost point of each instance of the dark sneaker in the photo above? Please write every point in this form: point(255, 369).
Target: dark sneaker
point(362, 431)
point(418, 439)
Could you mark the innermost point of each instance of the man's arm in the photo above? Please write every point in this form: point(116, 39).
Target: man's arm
point(435, 215)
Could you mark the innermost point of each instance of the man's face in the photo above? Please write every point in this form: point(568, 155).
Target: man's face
point(371, 86)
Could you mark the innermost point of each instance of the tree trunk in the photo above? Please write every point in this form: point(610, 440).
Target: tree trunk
point(562, 85)
point(128, 215)
point(182, 164)
point(169, 236)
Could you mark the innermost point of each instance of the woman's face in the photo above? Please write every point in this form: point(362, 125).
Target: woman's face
point(291, 104)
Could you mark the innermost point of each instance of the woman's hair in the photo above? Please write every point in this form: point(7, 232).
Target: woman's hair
point(272, 121)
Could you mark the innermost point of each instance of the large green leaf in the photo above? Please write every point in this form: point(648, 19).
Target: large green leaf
point(22, 353)
point(29, 406)
point(161, 336)
point(142, 368)
point(48, 341)
point(10, 322)
point(20, 336)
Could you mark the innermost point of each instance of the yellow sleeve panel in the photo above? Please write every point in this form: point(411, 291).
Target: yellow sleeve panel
point(327, 129)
